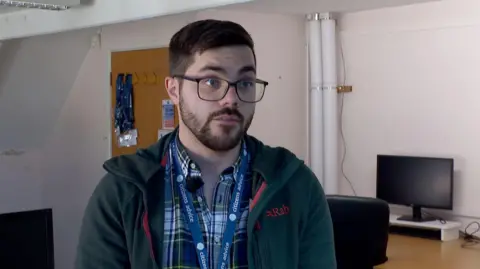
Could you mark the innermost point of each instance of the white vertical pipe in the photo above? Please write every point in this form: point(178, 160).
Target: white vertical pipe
point(330, 110)
point(307, 95)
point(316, 98)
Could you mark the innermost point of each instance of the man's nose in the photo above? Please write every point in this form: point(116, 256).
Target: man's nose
point(231, 96)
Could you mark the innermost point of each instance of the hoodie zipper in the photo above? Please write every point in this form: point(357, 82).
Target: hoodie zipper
point(257, 195)
point(261, 250)
point(259, 202)
point(146, 228)
point(256, 246)
point(146, 221)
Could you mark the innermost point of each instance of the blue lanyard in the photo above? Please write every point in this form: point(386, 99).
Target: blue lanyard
point(119, 117)
point(191, 215)
point(124, 103)
point(128, 101)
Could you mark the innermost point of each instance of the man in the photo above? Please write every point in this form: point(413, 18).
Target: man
point(208, 195)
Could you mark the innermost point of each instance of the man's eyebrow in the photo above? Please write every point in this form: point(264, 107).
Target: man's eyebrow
point(247, 68)
point(215, 68)
point(219, 69)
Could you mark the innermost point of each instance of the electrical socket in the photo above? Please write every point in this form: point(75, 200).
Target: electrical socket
point(344, 89)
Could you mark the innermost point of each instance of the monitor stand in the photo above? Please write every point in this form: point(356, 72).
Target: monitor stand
point(416, 216)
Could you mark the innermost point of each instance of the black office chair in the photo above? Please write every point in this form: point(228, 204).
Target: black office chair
point(361, 231)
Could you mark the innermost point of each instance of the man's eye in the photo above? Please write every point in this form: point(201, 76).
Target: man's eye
point(246, 84)
point(212, 82)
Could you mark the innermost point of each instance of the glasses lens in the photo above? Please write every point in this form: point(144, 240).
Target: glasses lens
point(212, 89)
point(250, 91)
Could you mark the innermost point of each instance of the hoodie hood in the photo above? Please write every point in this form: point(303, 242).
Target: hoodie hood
point(275, 165)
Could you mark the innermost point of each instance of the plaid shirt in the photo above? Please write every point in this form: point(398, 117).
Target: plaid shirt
point(178, 247)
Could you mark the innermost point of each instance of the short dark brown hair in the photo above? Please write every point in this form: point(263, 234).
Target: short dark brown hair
point(203, 35)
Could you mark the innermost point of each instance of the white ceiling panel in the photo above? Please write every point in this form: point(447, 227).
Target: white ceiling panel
point(54, 2)
point(71, 3)
point(276, 6)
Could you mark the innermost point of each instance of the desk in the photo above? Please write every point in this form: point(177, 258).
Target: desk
point(416, 253)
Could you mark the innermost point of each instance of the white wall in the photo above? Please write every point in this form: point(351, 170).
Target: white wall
point(415, 72)
point(414, 93)
point(54, 109)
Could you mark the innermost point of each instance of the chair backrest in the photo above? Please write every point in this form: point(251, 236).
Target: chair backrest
point(361, 231)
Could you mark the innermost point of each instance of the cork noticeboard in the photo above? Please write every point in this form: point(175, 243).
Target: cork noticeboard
point(148, 68)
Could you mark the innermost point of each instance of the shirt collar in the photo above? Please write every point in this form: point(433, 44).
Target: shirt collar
point(187, 163)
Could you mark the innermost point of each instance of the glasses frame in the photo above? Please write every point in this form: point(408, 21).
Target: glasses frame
point(230, 84)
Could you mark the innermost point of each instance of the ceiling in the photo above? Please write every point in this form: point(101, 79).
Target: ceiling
point(5, 9)
point(312, 6)
point(299, 6)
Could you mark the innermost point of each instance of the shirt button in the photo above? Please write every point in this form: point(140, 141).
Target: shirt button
point(193, 166)
point(217, 239)
point(200, 199)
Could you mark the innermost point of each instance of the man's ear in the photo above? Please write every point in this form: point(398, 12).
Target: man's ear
point(173, 89)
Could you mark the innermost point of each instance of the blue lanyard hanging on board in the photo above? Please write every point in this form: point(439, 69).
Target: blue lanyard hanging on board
point(128, 102)
point(124, 103)
point(119, 114)
point(191, 214)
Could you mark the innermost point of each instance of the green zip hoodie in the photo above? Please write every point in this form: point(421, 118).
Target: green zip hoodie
point(289, 225)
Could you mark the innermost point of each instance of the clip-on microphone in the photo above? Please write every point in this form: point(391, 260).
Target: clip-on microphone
point(193, 184)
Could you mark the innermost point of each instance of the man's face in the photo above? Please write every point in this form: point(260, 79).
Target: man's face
point(219, 124)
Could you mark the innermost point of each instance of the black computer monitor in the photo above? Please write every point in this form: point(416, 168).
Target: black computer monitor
point(26, 239)
point(417, 182)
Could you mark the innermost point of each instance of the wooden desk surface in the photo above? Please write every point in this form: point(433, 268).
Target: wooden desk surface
point(416, 253)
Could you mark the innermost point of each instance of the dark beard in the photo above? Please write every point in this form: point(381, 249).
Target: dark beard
point(204, 133)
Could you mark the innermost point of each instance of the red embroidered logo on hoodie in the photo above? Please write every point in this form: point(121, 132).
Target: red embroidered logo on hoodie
point(279, 211)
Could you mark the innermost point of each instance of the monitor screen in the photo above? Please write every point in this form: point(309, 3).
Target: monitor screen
point(415, 181)
point(26, 239)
